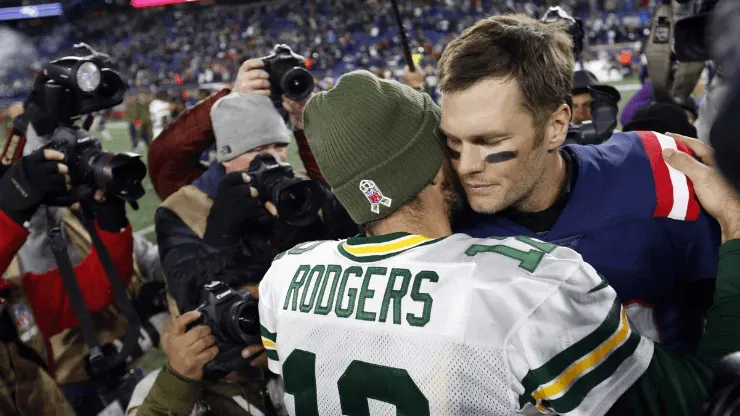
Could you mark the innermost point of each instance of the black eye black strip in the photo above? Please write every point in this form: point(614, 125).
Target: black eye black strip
point(500, 157)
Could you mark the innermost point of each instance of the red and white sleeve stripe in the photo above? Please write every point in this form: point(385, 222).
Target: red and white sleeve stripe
point(674, 191)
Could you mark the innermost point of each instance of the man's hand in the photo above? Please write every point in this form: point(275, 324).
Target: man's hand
point(295, 110)
point(716, 196)
point(413, 79)
point(188, 352)
point(252, 79)
point(109, 212)
point(235, 211)
point(36, 178)
point(255, 353)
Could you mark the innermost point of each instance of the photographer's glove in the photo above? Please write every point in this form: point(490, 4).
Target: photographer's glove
point(110, 213)
point(235, 212)
point(29, 183)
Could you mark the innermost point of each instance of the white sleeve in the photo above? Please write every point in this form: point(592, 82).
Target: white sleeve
point(268, 320)
point(576, 353)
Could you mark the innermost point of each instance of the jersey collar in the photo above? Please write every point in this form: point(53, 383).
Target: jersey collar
point(369, 249)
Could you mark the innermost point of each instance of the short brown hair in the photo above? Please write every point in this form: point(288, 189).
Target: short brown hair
point(539, 56)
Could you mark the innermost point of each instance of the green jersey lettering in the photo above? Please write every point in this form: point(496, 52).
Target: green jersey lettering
point(422, 297)
point(325, 308)
point(366, 293)
point(351, 293)
point(318, 272)
point(395, 295)
point(298, 280)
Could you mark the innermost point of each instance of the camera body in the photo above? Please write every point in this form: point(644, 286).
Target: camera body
point(573, 26)
point(65, 90)
point(297, 200)
point(288, 75)
point(604, 110)
point(119, 174)
point(233, 317)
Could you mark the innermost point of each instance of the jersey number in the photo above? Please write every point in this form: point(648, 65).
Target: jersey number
point(528, 260)
point(359, 382)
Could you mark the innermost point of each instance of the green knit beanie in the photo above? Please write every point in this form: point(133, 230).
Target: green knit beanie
point(377, 143)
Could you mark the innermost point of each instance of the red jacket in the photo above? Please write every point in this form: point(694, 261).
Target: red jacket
point(174, 158)
point(45, 292)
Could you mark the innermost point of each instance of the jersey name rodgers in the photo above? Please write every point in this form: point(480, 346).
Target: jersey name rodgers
point(403, 323)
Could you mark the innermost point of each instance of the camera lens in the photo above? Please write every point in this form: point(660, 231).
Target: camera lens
point(297, 202)
point(119, 173)
point(297, 83)
point(243, 321)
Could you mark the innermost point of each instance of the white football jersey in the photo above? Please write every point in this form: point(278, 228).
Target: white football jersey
point(403, 324)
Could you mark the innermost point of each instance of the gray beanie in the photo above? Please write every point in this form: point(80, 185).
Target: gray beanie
point(242, 122)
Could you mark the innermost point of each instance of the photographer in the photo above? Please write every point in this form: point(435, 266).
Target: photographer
point(582, 80)
point(33, 279)
point(222, 228)
point(174, 158)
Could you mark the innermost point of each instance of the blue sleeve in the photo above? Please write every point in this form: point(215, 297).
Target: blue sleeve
point(697, 244)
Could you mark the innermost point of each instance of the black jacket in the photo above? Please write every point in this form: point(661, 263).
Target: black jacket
point(189, 263)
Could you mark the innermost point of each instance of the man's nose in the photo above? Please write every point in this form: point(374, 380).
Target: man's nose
point(471, 160)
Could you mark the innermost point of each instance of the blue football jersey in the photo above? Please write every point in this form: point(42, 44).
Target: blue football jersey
point(637, 221)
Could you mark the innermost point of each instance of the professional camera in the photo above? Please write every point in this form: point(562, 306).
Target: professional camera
point(233, 317)
point(604, 100)
point(604, 110)
point(692, 35)
point(297, 200)
point(288, 75)
point(573, 26)
point(119, 174)
point(65, 90)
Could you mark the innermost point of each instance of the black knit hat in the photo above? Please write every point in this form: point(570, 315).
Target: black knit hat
point(583, 79)
point(662, 118)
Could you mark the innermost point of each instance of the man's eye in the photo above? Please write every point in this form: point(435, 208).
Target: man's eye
point(453, 143)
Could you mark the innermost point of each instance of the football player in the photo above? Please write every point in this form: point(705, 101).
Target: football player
point(411, 319)
point(506, 81)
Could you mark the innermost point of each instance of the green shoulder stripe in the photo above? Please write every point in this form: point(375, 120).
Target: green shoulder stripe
point(560, 362)
point(272, 336)
point(580, 389)
point(272, 354)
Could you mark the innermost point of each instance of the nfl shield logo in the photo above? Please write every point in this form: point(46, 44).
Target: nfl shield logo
point(373, 194)
point(21, 316)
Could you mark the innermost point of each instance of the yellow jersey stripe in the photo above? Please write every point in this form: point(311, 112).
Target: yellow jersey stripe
point(267, 343)
point(561, 384)
point(385, 248)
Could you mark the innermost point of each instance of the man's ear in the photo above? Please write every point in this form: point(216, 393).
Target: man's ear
point(439, 177)
point(557, 127)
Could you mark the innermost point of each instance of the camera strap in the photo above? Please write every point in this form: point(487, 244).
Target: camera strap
point(66, 270)
point(130, 340)
point(658, 52)
point(99, 363)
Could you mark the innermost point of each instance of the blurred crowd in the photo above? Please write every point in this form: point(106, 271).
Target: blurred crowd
point(192, 44)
